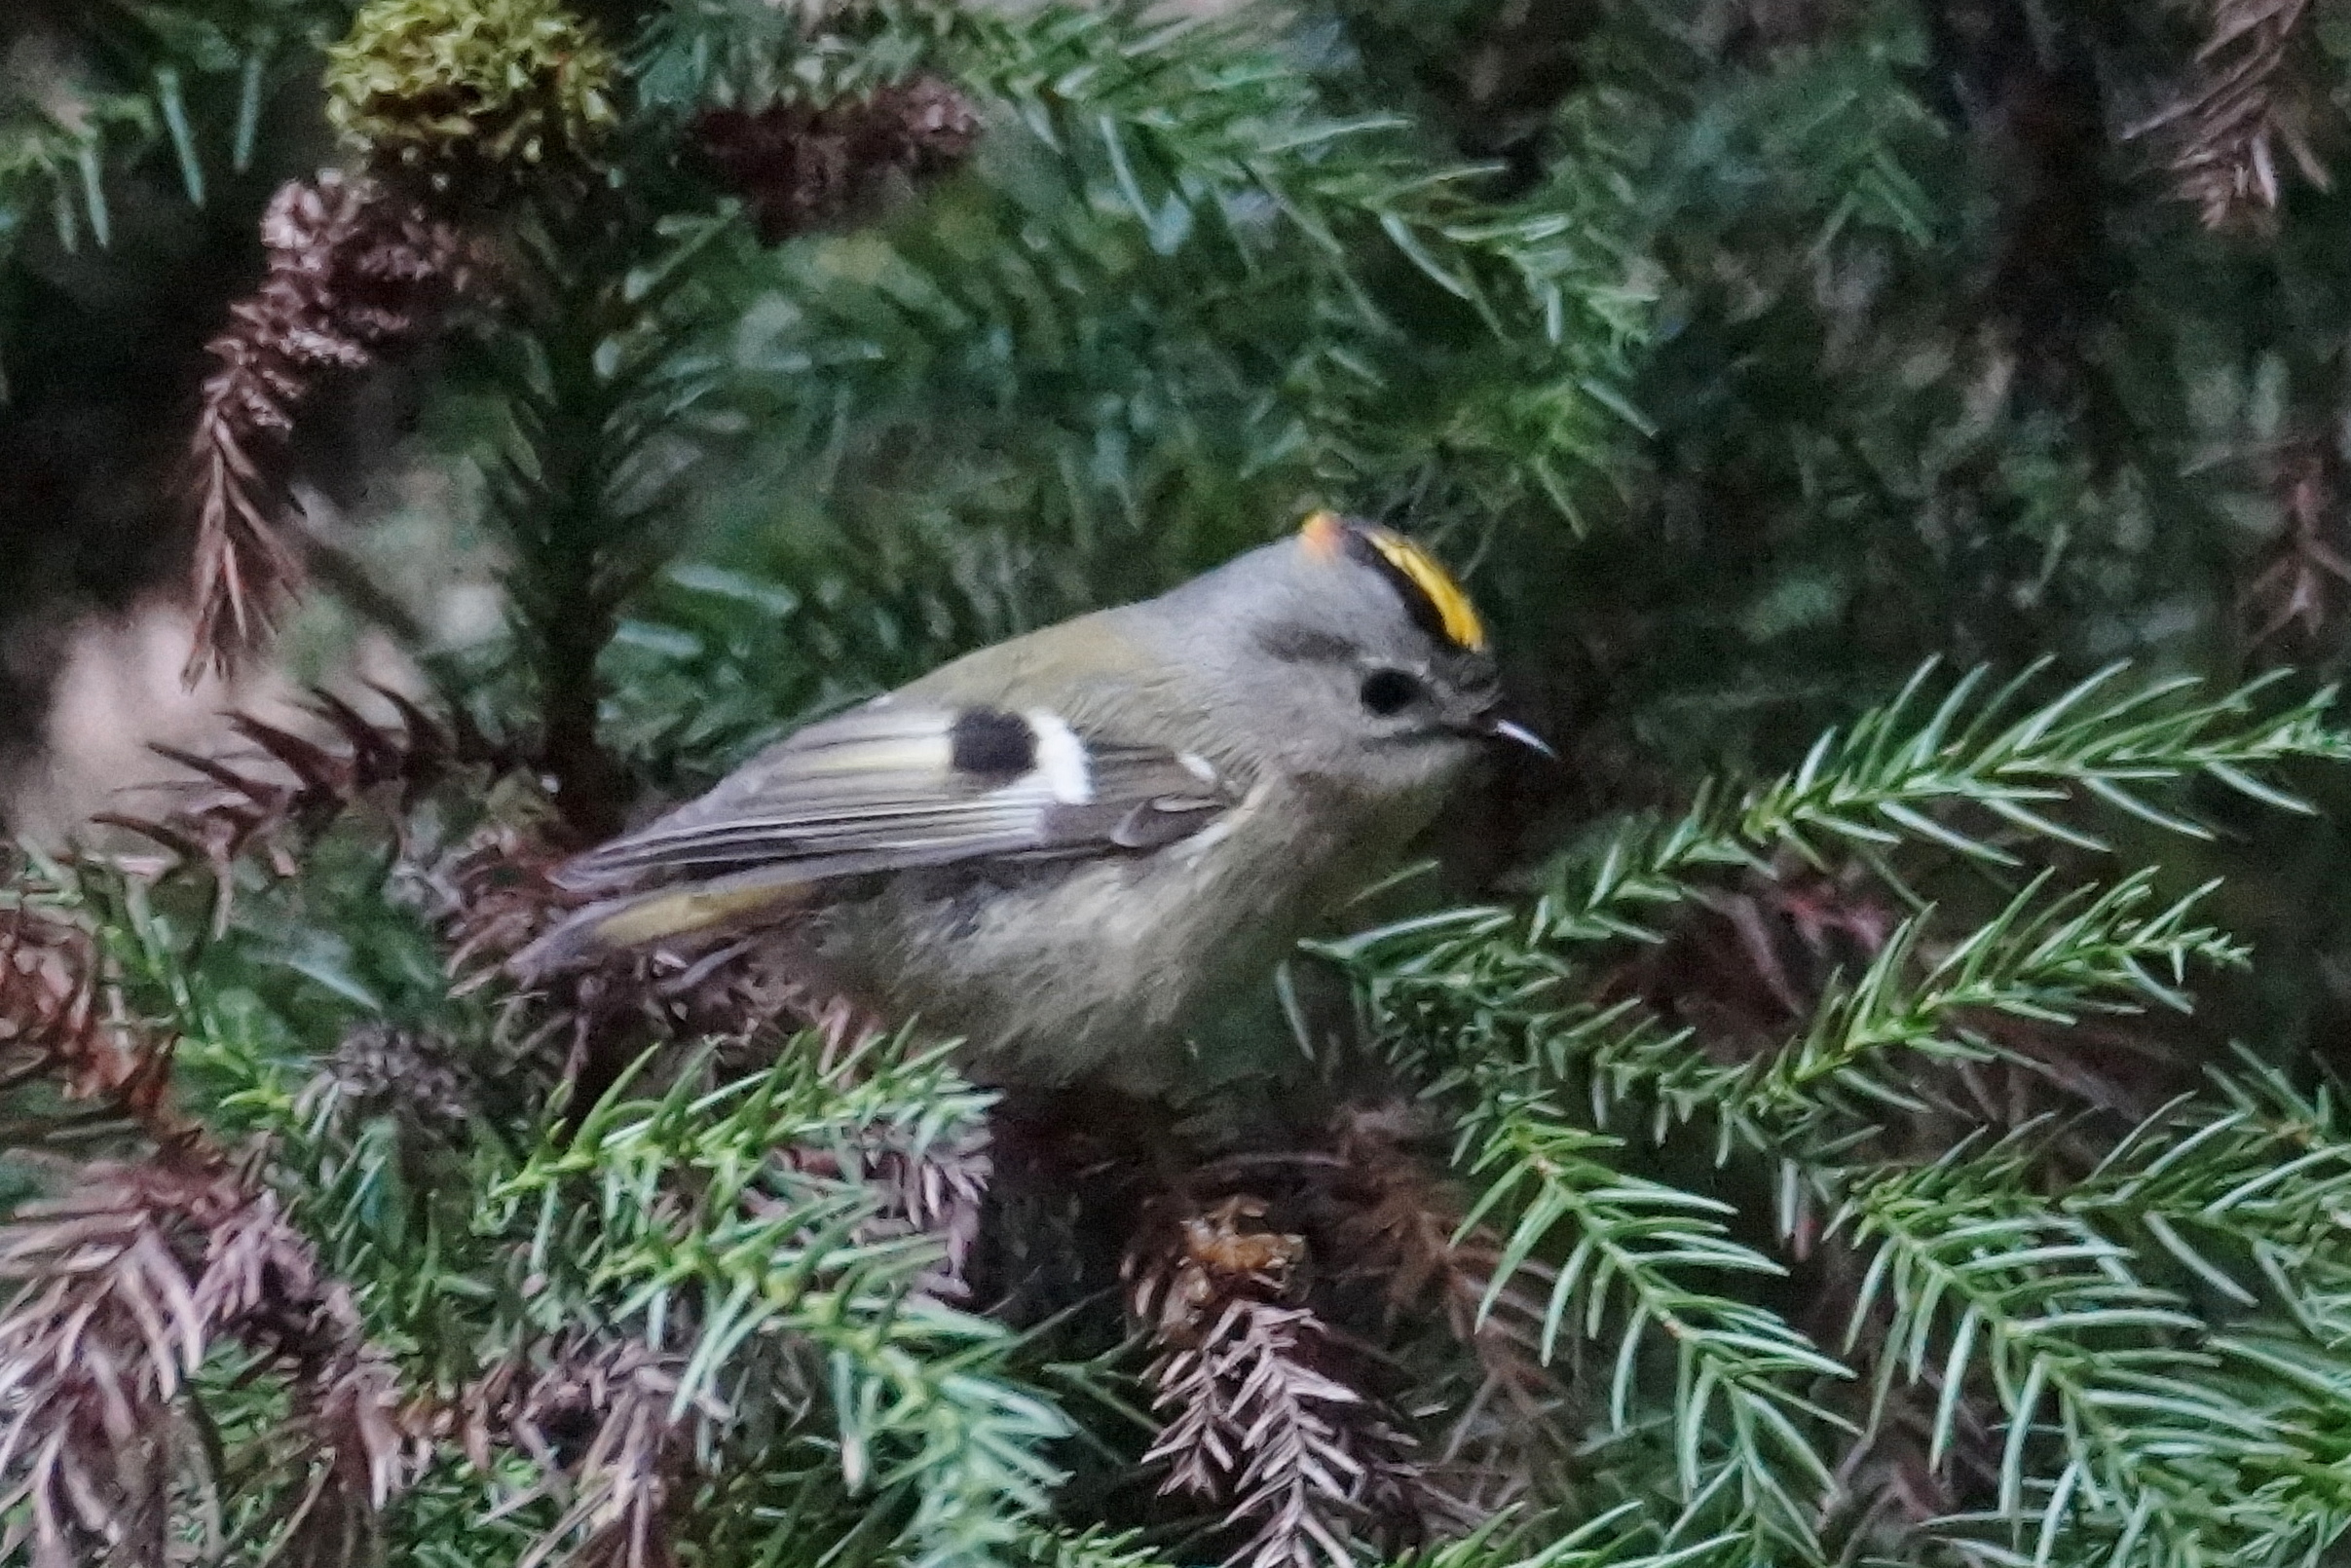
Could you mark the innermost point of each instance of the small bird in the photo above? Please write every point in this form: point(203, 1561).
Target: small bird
point(1076, 848)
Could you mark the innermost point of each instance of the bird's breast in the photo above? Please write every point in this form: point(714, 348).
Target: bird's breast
point(1054, 970)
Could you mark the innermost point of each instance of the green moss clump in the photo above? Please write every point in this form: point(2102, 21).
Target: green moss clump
point(449, 87)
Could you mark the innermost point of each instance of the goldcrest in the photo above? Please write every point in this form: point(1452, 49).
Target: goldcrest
point(1075, 847)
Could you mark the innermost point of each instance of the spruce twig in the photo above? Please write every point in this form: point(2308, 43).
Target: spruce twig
point(355, 271)
point(801, 167)
point(1256, 1419)
point(127, 1281)
point(2222, 131)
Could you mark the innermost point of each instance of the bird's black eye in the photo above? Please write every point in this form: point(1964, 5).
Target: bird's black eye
point(1389, 691)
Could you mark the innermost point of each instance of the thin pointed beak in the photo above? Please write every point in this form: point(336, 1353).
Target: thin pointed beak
point(1505, 730)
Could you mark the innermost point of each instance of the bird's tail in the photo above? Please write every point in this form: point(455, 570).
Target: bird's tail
point(637, 919)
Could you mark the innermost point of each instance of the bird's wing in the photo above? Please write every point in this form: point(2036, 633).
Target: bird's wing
point(885, 788)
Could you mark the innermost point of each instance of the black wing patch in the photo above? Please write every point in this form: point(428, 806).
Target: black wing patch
point(990, 743)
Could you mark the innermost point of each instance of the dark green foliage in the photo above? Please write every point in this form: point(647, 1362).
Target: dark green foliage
point(1853, 1110)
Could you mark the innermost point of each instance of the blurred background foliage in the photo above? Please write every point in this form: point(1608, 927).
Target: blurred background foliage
point(1751, 351)
point(618, 385)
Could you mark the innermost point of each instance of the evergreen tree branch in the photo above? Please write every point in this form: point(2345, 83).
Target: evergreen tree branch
point(355, 271)
point(1892, 781)
point(1629, 1246)
point(2245, 1193)
point(1869, 1045)
point(2223, 130)
point(129, 1282)
point(1898, 773)
point(756, 1247)
point(2163, 1446)
point(156, 79)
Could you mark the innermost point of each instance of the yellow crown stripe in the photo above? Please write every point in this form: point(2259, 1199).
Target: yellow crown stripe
point(1327, 536)
point(1453, 609)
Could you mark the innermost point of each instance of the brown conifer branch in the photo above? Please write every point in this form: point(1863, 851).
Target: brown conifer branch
point(126, 1284)
point(379, 1069)
point(1744, 966)
point(1398, 1222)
point(933, 1187)
point(1255, 1418)
point(2306, 582)
point(800, 166)
point(2222, 131)
point(597, 1421)
point(61, 1019)
point(354, 270)
point(287, 784)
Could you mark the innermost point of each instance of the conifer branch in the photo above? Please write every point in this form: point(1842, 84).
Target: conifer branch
point(759, 1243)
point(287, 788)
point(356, 270)
point(2223, 131)
point(1400, 1224)
point(2302, 584)
point(2244, 1193)
point(61, 1019)
point(1868, 1053)
point(1893, 781)
point(1204, 103)
point(1200, 143)
point(151, 84)
point(128, 1283)
point(800, 166)
point(1870, 1045)
point(1256, 1419)
point(1199, 125)
point(1630, 1247)
point(1898, 776)
point(2158, 1438)
point(1095, 1546)
point(1501, 1002)
point(604, 1426)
